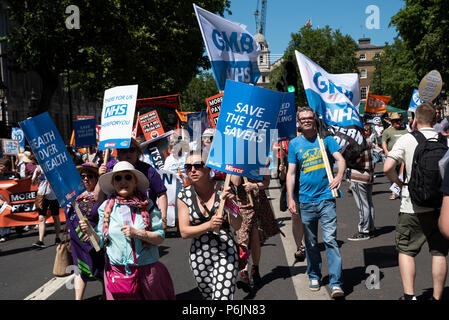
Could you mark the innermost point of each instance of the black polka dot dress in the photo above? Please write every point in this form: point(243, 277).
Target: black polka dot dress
point(213, 258)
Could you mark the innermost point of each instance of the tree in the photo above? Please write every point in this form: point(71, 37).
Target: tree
point(332, 50)
point(423, 25)
point(156, 44)
point(200, 88)
point(395, 75)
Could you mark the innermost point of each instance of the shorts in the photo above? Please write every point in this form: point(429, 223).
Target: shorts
point(413, 230)
point(52, 205)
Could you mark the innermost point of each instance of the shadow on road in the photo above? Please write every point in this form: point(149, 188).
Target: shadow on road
point(280, 272)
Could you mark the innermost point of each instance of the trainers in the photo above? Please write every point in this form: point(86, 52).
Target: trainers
point(255, 275)
point(57, 241)
point(359, 236)
point(39, 244)
point(404, 298)
point(337, 292)
point(314, 284)
point(243, 281)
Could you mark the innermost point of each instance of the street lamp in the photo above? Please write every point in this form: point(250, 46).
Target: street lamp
point(3, 91)
point(33, 104)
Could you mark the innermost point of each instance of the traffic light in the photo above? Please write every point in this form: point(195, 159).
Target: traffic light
point(290, 76)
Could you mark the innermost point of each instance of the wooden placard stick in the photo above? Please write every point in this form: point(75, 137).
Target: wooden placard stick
point(250, 195)
point(222, 201)
point(281, 153)
point(330, 177)
point(90, 231)
point(106, 156)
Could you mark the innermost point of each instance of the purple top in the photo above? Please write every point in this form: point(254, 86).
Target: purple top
point(157, 186)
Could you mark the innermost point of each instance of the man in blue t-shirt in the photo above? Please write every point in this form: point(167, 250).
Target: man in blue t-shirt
point(315, 198)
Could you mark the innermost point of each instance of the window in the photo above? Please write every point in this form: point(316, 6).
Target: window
point(363, 74)
point(261, 58)
point(363, 56)
point(377, 55)
point(261, 46)
point(263, 79)
point(363, 91)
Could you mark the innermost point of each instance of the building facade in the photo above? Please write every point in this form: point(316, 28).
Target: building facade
point(366, 54)
point(263, 61)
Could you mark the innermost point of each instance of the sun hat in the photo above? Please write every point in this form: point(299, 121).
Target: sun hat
point(396, 116)
point(25, 156)
point(105, 180)
point(209, 132)
point(88, 166)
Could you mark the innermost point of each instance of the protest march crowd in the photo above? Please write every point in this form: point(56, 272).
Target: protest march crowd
point(118, 203)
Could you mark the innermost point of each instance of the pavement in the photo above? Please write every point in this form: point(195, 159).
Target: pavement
point(370, 267)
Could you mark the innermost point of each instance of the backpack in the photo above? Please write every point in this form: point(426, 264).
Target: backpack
point(425, 180)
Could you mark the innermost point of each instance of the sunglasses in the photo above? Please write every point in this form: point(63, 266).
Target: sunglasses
point(129, 150)
point(197, 166)
point(127, 177)
point(88, 176)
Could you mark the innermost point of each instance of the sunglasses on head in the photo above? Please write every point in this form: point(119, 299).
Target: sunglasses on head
point(196, 165)
point(127, 177)
point(88, 176)
point(129, 150)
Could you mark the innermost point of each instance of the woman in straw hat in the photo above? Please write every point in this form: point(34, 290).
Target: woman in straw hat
point(130, 228)
point(90, 263)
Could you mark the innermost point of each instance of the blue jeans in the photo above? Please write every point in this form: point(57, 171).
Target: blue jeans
point(311, 213)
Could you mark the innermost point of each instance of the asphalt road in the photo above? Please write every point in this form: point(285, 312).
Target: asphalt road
point(24, 270)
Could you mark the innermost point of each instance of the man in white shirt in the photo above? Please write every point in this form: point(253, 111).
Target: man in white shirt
point(416, 225)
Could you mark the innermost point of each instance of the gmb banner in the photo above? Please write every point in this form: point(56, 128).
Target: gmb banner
point(335, 97)
point(53, 157)
point(246, 129)
point(231, 49)
point(117, 117)
point(375, 108)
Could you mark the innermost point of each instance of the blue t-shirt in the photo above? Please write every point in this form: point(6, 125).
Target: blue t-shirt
point(313, 182)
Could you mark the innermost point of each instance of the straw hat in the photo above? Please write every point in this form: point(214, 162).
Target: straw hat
point(105, 180)
point(88, 166)
point(396, 116)
point(25, 156)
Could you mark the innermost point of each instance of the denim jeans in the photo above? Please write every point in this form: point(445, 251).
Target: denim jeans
point(311, 213)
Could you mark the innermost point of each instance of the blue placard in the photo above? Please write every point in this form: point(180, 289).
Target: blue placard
point(85, 133)
point(245, 130)
point(198, 118)
point(287, 118)
point(53, 157)
point(17, 134)
point(415, 101)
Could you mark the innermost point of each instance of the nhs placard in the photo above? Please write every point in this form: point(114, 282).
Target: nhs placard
point(117, 117)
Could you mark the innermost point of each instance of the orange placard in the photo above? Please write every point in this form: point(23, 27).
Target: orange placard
point(151, 125)
point(213, 107)
point(376, 103)
point(17, 204)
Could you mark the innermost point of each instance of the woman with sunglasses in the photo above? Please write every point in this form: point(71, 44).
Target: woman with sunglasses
point(130, 228)
point(89, 262)
point(213, 258)
point(157, 192)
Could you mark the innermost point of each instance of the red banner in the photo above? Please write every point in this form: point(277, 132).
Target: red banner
point(376, 103)
point(17, 204)
point(165, 106)
point(213, 107)
point(151, 125)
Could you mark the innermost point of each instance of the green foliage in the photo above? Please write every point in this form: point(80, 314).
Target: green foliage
point(332, 50)
point(394, 75)
point(424, 27)
point(200, 88)
point(156, 44)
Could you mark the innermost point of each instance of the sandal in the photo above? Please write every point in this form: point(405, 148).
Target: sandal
point(300, 254)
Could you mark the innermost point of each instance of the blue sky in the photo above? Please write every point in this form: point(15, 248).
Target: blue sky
point(288, 16)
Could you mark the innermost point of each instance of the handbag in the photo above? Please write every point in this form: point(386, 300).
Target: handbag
point(39, 202)
point(118, 283)
point(63, 258)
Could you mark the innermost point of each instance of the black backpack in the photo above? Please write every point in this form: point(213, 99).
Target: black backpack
point(425, 181)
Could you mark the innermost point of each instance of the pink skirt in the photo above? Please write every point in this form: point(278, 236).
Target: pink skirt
point(155, 283)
